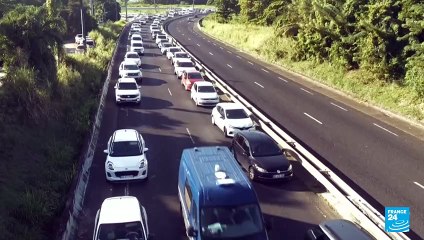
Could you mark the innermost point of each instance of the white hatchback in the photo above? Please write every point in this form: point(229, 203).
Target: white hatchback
point(230, 118)
point(126, 156)
point(121, 217)
point(203, 93)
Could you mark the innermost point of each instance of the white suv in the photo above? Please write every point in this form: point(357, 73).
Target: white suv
point(183, 65)
point(121, 217)
point(180, 56)
point(132, 57)
point(170, 52)
point(130, 69)
point(127, 90)
point(203, 93)
point(126, 156)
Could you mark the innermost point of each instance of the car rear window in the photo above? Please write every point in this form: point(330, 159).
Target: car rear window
point(181, 55)
point(195, 75)
point(137, 44)
point(207, 89)
point(132, 55)
point(236, 114)
point(265, 147)
point(185, 64)
point(137, 38)
point(161, 37)
point(174, 50)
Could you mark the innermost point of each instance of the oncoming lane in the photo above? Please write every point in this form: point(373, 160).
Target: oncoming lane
point(169, 121)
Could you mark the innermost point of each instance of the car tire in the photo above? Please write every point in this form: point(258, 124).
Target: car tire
point(252, 174)
point(197, 103)
point(213, 121)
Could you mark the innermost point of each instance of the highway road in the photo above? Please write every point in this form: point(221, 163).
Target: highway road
point(169, 122)
point(384, 164)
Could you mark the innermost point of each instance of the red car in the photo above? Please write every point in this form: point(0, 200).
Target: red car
point(190, 77)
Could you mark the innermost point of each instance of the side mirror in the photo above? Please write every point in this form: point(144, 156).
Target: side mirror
point(115, 87)
point(268, 225)
point(106, 151)
point(146, 149)
point(138, 87)
point(191, 232)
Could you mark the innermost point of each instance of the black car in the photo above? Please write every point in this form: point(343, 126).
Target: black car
point(338, 229)
point(261, 156)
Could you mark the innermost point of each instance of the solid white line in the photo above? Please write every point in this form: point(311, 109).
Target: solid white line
point(198, 44)
point(250, 63)
point(238, 57)
point(312, 118)
point(229, 52)
point(259, 85)
point(189, 134)
point(211, 53)
point(419, 185)
point(221, 47)
point(265, 70)
point(126, 109)
point(344, 109)
point(283, 79)
point(306, 91)
point(170, 93)
point(160, 70)
point(375, 124)
point(229, 66)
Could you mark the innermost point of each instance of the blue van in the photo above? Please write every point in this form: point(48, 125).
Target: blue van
point(217, 200)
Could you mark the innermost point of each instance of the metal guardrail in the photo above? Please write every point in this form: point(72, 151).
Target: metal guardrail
point(349, 204)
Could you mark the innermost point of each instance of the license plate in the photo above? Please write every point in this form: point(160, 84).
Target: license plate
point(278, 176)
point(127, 176)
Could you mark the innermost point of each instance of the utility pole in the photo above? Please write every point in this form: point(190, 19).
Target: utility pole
point(92, 8)
point(82, 28)
point(192, 7)
point(126, 10)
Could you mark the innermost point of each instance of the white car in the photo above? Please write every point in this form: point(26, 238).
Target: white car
point(230, 118)
point(137, 29)
point(130, 69)
point(170, 52)
point(132, 56)
point(155, 32)
point(126, 156)
point(135, 25)
point(137, 37)
point(121, 217)
point(153, 26)
point(164, 47)
point(183, 65)
point(203, 93)
point(160, 37)
point(127, 90)
point(136, 44)
point(178, 56)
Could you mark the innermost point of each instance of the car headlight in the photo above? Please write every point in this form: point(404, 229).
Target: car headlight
point(110, 166)
point(141, 164)
point(290, 168)
point(260, 169)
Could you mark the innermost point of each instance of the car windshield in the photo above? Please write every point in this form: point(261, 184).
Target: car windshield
point(174, 50)
point(236, 114)
point(128, 148)
point(206, 89)
point(131, 67)
point(185, 64)
point(137, 38)
point(128, 86)
point(265, 147)
point(80, 47)
point(194, 75)
point(121, 231)
point(132, 55)
point(137, 44)
point(230, 222)
point(90, 42)
point(181, 55)
point(166, 45)
point(162, 37)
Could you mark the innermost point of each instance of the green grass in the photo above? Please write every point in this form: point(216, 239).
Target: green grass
point(262, 43)
point(39, 160)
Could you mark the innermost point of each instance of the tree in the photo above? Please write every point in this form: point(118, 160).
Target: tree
point(227, 8)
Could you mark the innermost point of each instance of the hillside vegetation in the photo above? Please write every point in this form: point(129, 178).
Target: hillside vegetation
point(373, 50)
point(47, 102)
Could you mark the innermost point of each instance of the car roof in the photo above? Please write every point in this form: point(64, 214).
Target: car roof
point(136, 35)
point(344, 229)
point(204, 83)
point(255, 136)
point(123, 135)
point(127, 80)
point(184, 60)
point(119, 210)
point(180, 52)
point(129, 62)
point(230, 105)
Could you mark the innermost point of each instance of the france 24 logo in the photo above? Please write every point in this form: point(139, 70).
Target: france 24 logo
point(397, 219)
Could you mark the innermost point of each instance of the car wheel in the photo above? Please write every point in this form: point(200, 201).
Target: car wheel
point(197, 103)
point(252, 174)
point(213, 121)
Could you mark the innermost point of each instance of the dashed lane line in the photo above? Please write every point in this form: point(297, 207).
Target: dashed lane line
point(375, 124)
point(316, 120)
point(342, 108)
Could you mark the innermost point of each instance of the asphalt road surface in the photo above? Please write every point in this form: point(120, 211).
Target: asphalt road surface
point(384, 164)
point(169, 122)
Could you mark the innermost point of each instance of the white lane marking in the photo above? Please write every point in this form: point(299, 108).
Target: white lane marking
point(419, 185)
point(259, 85)
point(283, 79)
point(189, 134)
point(221, 47)
point(211, 53)
point(265, 70)
point(189, 39)
point(209, 41)
point(127, 189)
point(238, 57)
point(198, 44)
point(306, 91)
point(214, 44)
point(170, 93)
point(342, 108)
point(316, 120)
point(160, 70)
point(126, 110)
point(182, 34)
point(204, 38)
point(375, 124)
point(250, 62)
point(229, 52)
point(229, 66)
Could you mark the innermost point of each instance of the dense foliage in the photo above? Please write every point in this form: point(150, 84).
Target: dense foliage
point(383, 37)
point(172, 1)
point(47, 100)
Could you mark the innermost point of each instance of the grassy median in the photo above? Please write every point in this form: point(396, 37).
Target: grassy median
point(263, 43)
point(40, 159)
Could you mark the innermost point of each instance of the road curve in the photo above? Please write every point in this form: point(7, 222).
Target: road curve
point(383, 164)
point(169, 122)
